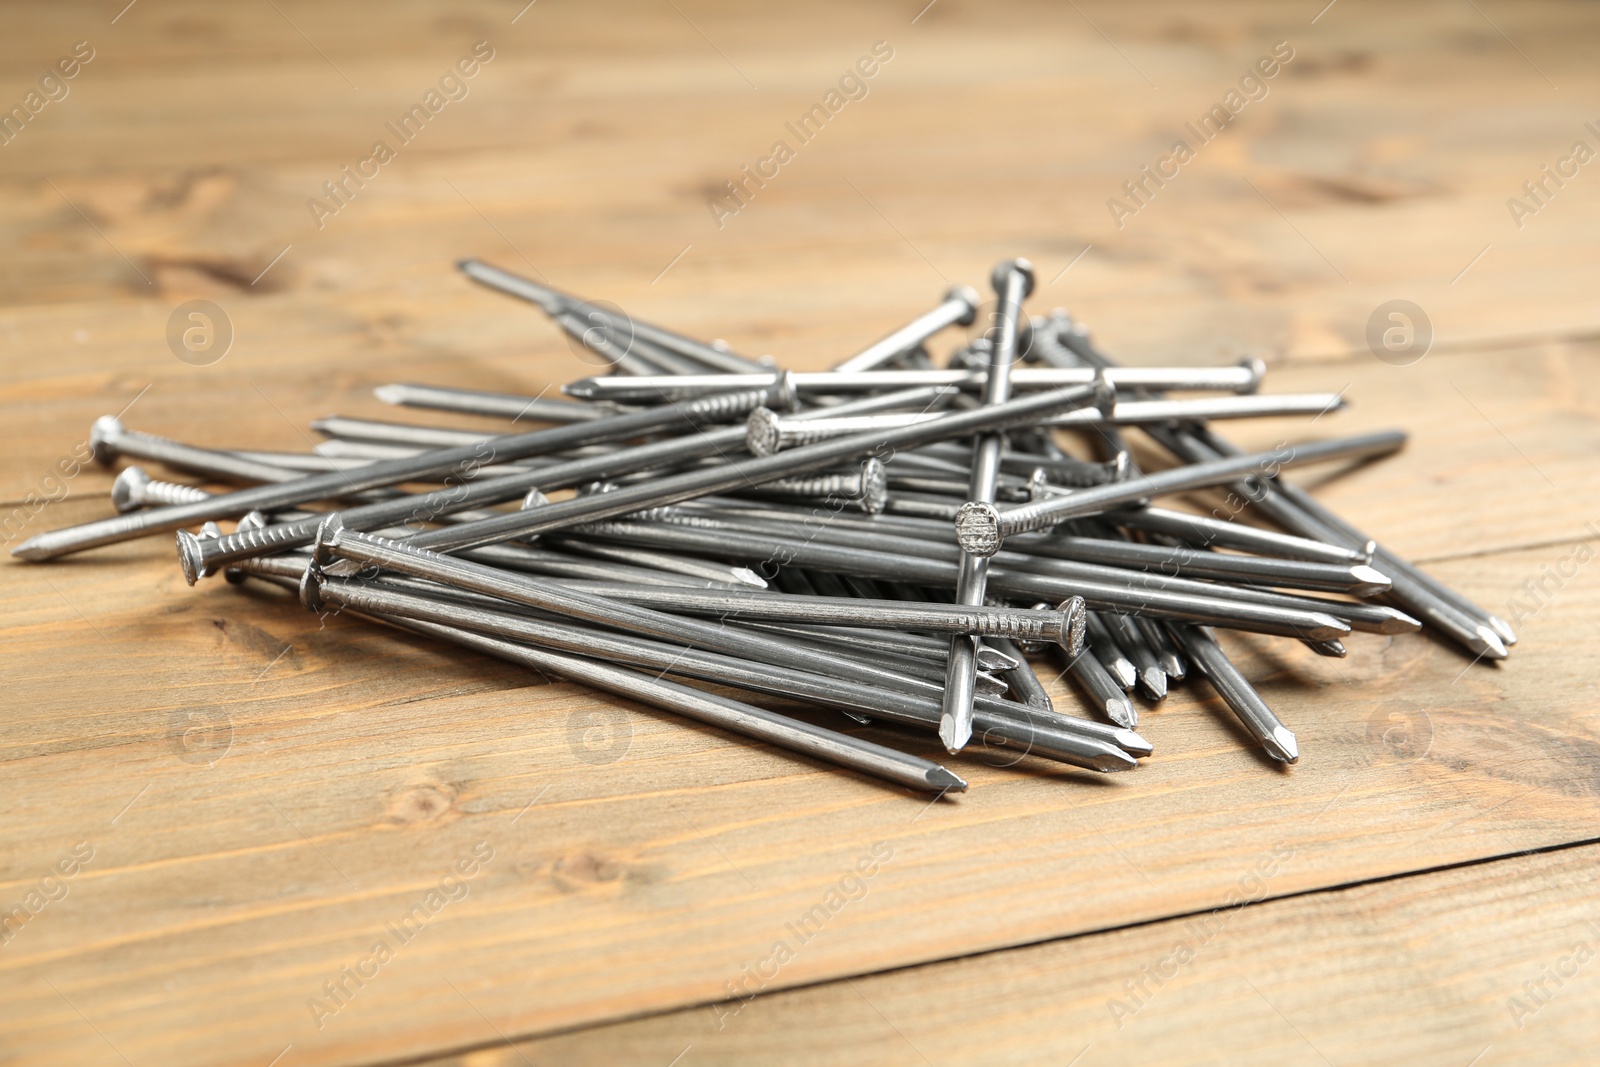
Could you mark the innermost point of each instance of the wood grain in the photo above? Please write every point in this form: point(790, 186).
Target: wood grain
point(264, 795)
point(226, 895)
point(1491, 964)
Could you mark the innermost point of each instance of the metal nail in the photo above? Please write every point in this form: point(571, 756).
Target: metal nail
point(769, 433)
point(981, 528)
point(754, 471)
point(461, 461)
point(135, 489)
point(958, 307)
point(1063, 625)
point(480, 402)
point(1053, 737)
point(867, 488)
point(200, 559)
point(109, 439)
point(656, 389)
point(1105, 695)
point(726, 713)
point(1208, 657)
point(1013, 281)
point(1205, 531)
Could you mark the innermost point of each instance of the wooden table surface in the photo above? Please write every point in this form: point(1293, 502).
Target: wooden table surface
point(250, 804)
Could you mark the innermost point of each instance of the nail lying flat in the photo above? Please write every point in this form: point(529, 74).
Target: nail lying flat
point(1225, 678)
point(480, 402)
point(460, 461)
point(651, 390)
point(982, 528)
point(202, 558)
point(746, 719)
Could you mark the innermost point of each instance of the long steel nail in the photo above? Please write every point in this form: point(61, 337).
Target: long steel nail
point(1068, 741)
point(109, 439)
point(1204, 530)
point(981, 528)
point(553, 302)
point(1063, 625)
point(1108, 650)
point(480, 402)
point(200, 559)
point(1139, 412)
point(1207, 656)
point(375, 431)
point(736, 716)
point(670, 387)
point(1217, 606)
point(1355, 579)
point(461, 461)
point(1105, 695)
point(135, 489)
point(959, 307)
point(745, 472)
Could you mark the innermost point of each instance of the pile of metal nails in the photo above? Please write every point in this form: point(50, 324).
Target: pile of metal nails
point(896, 543)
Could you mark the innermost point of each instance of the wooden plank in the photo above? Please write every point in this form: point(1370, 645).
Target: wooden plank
point(225, 896)
point(1489, 964)
point(1391, 153)
point(264, 797)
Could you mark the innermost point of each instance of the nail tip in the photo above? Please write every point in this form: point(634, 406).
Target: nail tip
point(1116, 761)
point(1282, 745)
point(32, 550)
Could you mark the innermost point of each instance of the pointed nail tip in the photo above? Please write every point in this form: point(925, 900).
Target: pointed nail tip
point(31, 550)
point(1155, 684)
point(746, 576)
point(1281, 745)
point(1134, 744)
point(1369, 577)
point(1113, 760)
point(1503, 628)
point(1123, 713)
point(945, 781)
point(1328, 628)
point(1493, 647)
point(389, 394)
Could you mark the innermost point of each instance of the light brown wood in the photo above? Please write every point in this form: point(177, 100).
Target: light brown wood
point(1492, 964)
point(264, 795)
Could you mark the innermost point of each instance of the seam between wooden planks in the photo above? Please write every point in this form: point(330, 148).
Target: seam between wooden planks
point(1338, 887)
